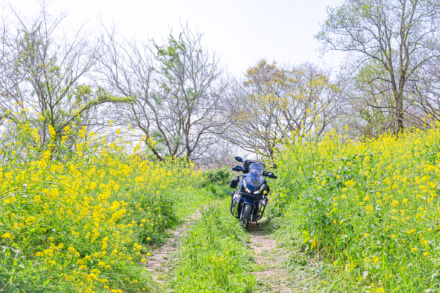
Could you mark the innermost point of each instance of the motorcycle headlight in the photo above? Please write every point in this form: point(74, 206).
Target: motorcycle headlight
point(260, 190)
point(245, 187)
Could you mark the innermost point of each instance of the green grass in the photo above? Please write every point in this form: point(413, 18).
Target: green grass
point(187, 200)
point(214, 256)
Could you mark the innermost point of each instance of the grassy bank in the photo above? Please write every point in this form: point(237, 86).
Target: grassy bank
point(84, 221)
point(369, 211)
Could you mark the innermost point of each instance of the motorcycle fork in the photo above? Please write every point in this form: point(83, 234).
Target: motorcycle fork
point(252, 210)
point(242, 209)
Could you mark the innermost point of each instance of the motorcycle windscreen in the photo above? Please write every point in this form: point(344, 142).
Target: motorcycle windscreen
point(255, 176)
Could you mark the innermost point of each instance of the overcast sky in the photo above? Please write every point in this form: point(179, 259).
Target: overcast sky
point(240, 32)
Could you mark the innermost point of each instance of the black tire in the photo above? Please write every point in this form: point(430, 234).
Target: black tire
point(246, 216)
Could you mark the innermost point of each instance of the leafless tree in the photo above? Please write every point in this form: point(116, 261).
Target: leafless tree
point(390, 40)
point(178, 90)
point(45, 75)
point(428, 92)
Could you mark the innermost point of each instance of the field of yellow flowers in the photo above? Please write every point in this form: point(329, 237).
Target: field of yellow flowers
point(369, 210)
point(81, 222)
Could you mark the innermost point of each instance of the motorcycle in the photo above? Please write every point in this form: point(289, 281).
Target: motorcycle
point(249, 200)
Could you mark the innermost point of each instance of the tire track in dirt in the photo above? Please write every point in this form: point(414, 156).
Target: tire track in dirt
point(156, 263)
point(271, 260)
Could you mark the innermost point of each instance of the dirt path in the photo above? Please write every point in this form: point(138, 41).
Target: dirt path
point(272, 273)
point(156, 263)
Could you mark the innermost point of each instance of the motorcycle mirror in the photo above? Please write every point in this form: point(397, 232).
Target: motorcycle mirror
point(239, 159)
point(238, 169)
point(271, 175)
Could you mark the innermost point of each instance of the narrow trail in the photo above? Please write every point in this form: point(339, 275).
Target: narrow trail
point(156, 263)
point(272, 261)
point(271, 273)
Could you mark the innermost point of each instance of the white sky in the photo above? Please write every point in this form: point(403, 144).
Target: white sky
point(240, 32)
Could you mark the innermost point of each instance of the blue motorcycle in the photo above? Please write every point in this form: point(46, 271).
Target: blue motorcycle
point(249, 200)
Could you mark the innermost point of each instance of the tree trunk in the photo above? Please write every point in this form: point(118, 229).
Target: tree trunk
point(399, 113)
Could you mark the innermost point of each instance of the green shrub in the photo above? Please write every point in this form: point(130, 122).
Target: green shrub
point(220, 176)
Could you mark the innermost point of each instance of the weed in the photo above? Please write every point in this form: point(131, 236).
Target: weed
point(214, 257)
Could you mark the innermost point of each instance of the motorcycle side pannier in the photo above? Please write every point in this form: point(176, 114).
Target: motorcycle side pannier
point(234, 182)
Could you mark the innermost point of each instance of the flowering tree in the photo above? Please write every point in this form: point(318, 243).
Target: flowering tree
point(275, 102)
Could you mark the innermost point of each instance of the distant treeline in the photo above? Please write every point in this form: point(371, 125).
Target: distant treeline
point(179, 100)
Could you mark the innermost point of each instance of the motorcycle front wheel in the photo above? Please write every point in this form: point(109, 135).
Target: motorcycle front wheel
point(246, 216)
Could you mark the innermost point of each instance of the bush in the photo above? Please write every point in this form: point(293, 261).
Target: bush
point(220, 176)
point(368, 209)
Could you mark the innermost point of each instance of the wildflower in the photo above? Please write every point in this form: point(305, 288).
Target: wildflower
point(368, 209)
point(409, 232)
point(350, 183)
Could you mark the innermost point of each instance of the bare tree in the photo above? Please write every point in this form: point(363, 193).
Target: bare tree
point(312, 101)
point(428, 92)
point(256, 123)
point(45, 80)
point(398, 38)
point(178, 90)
